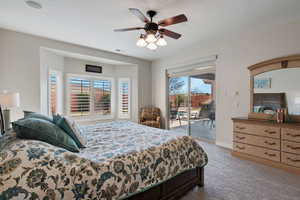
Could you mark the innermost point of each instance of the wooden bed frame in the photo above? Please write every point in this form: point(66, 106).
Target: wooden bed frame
point(174, 188)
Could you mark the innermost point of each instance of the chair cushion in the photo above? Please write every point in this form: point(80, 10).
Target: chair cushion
point(150, 113)
point(151, 123)
point(43, 130)
point(72, 129)
point(38, 116)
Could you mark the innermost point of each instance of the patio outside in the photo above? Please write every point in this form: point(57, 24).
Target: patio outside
point(202, 110)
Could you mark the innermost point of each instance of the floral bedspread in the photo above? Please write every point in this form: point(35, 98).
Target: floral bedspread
point(121, 158)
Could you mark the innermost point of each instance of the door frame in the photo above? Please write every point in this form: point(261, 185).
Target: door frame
point(190, 73)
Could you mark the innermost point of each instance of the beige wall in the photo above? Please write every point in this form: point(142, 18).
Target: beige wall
point(20, 67)
point(236, 53)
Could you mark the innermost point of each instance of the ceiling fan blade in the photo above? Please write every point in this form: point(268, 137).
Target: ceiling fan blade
point(139, 14)
point(173, 20)
point(169, 33)
point(128, 29)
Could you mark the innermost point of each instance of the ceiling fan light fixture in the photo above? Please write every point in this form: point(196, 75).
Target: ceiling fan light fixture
point(153, 32)
point(150, 38)
point(152, 46)
point(141, 42)
point(161, 41)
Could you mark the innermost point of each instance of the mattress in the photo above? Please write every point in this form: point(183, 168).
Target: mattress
point(121, 158)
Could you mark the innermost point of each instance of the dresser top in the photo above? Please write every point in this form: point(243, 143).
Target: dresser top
point(266, 122)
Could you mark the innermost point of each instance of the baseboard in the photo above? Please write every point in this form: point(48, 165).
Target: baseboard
point(224, 145)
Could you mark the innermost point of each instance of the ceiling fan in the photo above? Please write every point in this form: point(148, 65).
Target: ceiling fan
point(154, 34)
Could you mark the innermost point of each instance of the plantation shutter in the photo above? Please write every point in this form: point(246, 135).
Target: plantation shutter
point(124, 98)
point(52, 95)
point(79, 96)
point(102, 97)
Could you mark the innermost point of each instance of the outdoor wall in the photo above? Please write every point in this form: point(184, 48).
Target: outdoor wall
point(236, 52)
point(20, 67)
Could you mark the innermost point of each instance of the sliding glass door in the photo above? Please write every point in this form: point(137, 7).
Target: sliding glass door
point(179, 104)
point(192, 105)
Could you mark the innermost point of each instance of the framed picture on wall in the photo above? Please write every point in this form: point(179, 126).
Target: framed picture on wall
point(262, 83)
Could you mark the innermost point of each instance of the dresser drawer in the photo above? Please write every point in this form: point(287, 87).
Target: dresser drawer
point(290, 134)
point(290, 159)
point(260, 130)
point(290, 147)
point(257, 151)
point(270, 143)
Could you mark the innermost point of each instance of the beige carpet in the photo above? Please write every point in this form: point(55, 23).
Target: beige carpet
point(229, 178)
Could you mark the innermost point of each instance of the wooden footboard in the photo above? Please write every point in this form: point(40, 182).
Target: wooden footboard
point(174, 188)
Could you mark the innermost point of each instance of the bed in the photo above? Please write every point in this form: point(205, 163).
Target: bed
point(122, 160)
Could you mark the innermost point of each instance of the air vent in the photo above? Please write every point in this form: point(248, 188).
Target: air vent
point(93, 69)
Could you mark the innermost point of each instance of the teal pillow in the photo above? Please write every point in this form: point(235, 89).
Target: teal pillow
point(38, 116)
point(26, 113)
point(64, 125)
point(56, 118)
point(39, 129)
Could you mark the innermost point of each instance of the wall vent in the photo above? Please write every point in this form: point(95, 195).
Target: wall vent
point(93, 69)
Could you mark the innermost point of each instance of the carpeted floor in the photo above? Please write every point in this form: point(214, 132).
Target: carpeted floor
point(229, 178)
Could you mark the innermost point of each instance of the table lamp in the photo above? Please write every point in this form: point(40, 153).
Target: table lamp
point(7, 101)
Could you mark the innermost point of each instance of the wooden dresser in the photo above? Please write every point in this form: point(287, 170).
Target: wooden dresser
point(267, 142)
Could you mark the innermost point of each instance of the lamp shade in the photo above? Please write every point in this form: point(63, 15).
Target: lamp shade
point(10, 100)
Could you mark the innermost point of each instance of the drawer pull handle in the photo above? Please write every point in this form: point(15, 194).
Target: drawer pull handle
point(291, 147)
point(270, 132)
point(270, 143)
point(240, 127)
point(293, 160)
point(292, 135)
point(238, 147)
point(240, 138)
point(270, 154)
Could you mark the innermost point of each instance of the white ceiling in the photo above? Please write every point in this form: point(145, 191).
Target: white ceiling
point(91, 22)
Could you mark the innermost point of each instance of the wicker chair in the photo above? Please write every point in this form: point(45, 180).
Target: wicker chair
point(150, 117)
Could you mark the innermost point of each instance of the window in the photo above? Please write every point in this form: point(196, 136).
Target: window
point(90, 96)
point(53, 92)
point(102, 97)
point(80, 93)
point(124, 98)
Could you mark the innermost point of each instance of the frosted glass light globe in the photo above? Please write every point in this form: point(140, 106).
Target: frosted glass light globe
point(161, 42)
point(150, 38)
point(152, 46)
point(141, 42)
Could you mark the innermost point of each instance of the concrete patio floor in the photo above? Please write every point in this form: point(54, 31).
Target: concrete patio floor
point(199, 128)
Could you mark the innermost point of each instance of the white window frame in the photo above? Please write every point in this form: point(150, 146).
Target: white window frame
point(120, 114)
point(59, 92)
point(92, 114)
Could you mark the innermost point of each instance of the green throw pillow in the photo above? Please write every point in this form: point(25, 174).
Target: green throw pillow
point(38, 116)
point(70, 127)
point(39, 129)
point(26, 113)
point(56, 118)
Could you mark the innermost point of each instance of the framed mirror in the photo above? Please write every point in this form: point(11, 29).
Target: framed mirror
point(275, 84)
